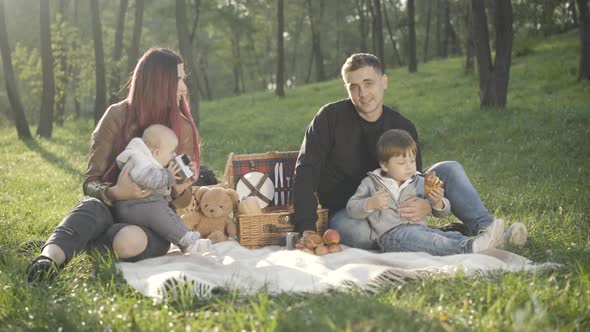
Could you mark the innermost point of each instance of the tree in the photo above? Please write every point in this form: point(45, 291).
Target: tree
point(45, 126)
point(186, 50)
point(100, 79)
point(378, 31)
point(395, 54)
point(412, 61)
point(427, 37)
point(360, 8)
point(117, 52)
point(493, 77)
point(469, 46)
point(22, 126)
point(280, 89)
point(584, 70)
point(133, 52)
point(315, 24)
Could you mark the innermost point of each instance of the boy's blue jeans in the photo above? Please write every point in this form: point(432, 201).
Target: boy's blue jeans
point(421, 238)
point(465, 205)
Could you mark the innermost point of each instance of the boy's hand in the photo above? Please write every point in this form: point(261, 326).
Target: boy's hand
point(379, 200)
point(436, 197)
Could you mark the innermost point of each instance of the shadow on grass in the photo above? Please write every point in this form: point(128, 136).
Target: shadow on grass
point(53, 159)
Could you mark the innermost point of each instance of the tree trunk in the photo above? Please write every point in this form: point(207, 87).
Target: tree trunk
point(362, 25)
point(22, 126)
point(447, 21)
point(45, 126)
point(297, 33)
point(584, 70)
point(468, 40)
point(437, 34)
point(395, 54)
point(280, 90)
point(63, 80)
point(378, 32)
point(203, 64)
point(100, 79)
point(133, 53)
point(412, 61)
point(493, 77)
point(572, 8)
point(427, 36)
point(316, 40)
point(186, 50)
point(117, 53)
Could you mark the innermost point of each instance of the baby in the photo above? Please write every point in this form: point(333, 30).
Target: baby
point(151, 156)
point(378, 195)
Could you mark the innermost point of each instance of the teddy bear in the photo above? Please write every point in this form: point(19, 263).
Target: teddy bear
point(212, 216)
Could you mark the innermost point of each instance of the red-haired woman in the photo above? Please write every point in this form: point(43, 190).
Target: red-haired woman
point(157, 95)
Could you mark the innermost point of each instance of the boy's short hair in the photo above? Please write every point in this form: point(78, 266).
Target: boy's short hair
point(360, 60)
point(393, 143)
point(156, 134)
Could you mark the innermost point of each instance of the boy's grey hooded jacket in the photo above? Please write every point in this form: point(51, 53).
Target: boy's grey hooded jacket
point(383, 220)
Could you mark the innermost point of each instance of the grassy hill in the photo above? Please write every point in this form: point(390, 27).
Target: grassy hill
point(530, 163)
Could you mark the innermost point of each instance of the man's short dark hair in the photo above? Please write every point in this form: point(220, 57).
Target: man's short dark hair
point(360, 60)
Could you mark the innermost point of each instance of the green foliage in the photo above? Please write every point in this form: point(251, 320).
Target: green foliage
point(529, 163)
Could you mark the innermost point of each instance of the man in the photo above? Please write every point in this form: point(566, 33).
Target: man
point(339, 148)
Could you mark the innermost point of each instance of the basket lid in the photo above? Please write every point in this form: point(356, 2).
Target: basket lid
point(258, 185)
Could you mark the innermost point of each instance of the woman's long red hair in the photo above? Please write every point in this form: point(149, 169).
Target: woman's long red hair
point(152, 100)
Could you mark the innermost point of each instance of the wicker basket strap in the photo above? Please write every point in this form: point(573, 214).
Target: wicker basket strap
point(256, 190)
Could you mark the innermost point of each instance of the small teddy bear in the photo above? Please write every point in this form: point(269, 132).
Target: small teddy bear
point(212, 219)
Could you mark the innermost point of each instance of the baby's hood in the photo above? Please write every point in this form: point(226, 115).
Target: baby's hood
point(136, 146)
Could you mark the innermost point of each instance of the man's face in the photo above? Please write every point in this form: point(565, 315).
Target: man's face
point(366, 87)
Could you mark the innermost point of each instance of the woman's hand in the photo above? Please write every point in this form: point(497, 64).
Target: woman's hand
point(415, 209)
point(180, 186)
point(125, 188)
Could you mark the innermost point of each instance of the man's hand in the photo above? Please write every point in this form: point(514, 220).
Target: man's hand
point(415, 209)
point(125, 188)
point(378, 201)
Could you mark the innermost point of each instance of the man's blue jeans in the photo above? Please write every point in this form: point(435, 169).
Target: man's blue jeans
point(465, 205)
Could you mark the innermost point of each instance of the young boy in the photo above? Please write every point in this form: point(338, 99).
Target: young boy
point(397, 180)
point(151, 156)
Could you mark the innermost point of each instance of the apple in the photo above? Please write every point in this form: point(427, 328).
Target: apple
point(321, 250)
point(331, 236)
point(334, 247)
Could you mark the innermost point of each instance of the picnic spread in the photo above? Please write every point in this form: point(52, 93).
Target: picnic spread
point(257, 259)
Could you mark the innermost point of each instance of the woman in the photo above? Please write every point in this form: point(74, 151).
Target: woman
point(157, 95)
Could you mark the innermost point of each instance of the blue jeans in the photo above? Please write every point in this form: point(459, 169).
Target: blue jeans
point(465, 205)
point(421, 238)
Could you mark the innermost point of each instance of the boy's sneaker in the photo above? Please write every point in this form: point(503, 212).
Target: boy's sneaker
point(515, 235)
point(491, 237)
point(199, 246)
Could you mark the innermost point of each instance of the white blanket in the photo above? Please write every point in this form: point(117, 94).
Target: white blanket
point(276, 270)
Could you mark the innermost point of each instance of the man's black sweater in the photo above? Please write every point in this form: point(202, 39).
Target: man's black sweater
point(338, 150)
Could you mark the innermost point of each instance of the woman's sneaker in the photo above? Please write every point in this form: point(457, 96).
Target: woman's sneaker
point(42, 268)
point(491, 237)
point(515, 235)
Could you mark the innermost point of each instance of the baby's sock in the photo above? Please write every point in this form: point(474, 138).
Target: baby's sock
point(188, 239)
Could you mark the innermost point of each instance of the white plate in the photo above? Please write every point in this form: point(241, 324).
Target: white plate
point(267, 189)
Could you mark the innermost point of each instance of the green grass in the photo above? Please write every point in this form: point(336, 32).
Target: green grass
point(530, 163)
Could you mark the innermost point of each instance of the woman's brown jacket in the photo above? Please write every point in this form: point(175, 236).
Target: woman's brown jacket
point(102, 153)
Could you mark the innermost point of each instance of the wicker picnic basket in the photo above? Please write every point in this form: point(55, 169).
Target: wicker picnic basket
point(268, 228)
